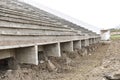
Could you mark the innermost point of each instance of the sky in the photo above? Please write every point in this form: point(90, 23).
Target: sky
point(100, 14)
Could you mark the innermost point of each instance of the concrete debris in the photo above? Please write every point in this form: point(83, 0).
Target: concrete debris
point(51, 66)
point(41, 62)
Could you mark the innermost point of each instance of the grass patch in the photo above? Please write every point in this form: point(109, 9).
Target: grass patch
point(114, 37)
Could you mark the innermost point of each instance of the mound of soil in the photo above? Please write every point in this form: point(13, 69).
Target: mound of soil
point(71, 66)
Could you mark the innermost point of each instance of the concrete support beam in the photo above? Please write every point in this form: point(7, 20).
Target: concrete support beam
point(52, 50)
point(86, 42)
point(28, 55)
point(93, 41)
point(90, 41)
point(66, 46)
point(82, 43)
point(7, 53)
point(98, 39)
point(77, 44)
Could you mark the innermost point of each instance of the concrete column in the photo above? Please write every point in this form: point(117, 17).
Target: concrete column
point(98, 39)
point(28, 55)
point(93, 41)
point(90, 41)
point(52, 50)
point(77, 44)
point(66, 46)
point(82, 43)
point(86, 42)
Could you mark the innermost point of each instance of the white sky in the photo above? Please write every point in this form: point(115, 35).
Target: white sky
point(100, 13)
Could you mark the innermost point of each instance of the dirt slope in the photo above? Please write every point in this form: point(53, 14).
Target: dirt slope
point(110, 65)
point(87, 67)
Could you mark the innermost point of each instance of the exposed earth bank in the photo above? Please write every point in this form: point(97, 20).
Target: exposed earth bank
point(102, 60)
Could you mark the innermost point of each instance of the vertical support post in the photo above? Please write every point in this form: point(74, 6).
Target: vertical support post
point(66, 46)
point(52, 50)
point(27, 55)
point(77, 44)
point(90, 41)
point(86, 42)
point(98, 39)
point(93, 41)
point(82, 43)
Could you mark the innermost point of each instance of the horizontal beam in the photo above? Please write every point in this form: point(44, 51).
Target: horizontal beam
point(7, 53)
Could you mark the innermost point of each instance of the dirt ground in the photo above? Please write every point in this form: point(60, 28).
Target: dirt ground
point(104, 60)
